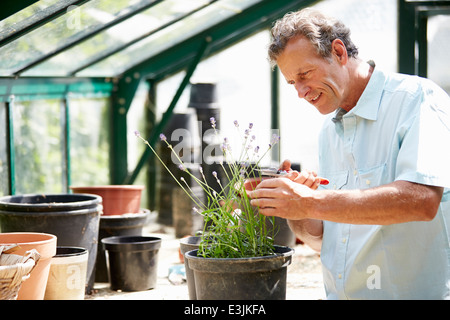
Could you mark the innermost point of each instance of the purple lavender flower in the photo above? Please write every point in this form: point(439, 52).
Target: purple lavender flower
point(275, 139)
point(236, 124)
point(137, 133)
point(213, 122)
point(162, 137)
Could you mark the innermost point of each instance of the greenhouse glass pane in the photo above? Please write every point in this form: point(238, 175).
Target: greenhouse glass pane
point(89, 141)
point(115, 37)
point(438, 37)
point(75, 24)
point(30, 15)
point(38, 147)
point(168, 37)
point(4, 176)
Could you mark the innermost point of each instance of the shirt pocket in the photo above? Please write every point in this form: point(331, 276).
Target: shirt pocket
point(337, 180)
point(372, 177)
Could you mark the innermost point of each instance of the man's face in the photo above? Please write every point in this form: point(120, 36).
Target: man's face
point(322, 82)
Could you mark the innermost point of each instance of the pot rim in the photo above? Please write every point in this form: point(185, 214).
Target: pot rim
point(285, 252)
point(109, 187)
point(77, 251)
point(240, 265)
point(85, 201)
point(143, 213)
point(124, 243)
point(40, 237)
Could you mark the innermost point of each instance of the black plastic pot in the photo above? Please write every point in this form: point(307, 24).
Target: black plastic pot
point(188, 244)
point(132, 262)
point(258, 278)
point(131, 224)
point(72, 218)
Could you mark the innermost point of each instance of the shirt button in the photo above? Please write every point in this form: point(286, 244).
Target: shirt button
point(340, 276)
point(344, 240)
point(368, 182)
point(355, 172)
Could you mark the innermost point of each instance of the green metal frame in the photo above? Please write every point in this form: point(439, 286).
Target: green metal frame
point(412, 32)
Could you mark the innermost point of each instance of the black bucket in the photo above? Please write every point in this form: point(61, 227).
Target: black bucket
point(132, 262)
point(72, 218)
point(258, 278)
point(130, 224)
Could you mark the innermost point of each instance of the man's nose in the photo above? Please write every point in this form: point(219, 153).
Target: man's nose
point(302, 90)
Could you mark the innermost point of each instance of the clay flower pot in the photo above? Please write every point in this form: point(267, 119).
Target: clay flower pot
point(117, 199)
point(45, 245)
point(251, 183)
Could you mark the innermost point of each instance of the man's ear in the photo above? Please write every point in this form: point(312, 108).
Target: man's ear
point(339, 50)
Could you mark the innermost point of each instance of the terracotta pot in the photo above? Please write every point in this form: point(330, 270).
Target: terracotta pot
point(45, 245)
point(251, 183)
point(67, 277)
point(117, 199)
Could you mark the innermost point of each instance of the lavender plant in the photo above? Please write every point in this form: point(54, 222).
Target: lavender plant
point(233, 228)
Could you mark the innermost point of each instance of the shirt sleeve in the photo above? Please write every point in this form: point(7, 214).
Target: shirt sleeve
point(424, 155)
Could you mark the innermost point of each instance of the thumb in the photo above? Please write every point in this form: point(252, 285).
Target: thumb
point(285, 165)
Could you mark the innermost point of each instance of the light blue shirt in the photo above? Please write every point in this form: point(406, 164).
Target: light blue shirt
point(399, 130)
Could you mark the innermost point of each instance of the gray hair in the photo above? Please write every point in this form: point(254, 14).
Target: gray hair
point(320, 29)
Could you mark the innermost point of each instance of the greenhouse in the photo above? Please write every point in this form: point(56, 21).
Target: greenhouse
point(87, 87)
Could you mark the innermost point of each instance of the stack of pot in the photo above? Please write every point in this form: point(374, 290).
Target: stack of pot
point(66, 220)
point(122, 216)
point(203, 100)
point(175, 206)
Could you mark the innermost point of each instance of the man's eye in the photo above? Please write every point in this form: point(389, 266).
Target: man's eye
point(304, 74)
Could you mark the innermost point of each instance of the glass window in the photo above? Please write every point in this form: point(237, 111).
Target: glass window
point(38, 146)
point(242, 78)
point(167, 37)
point(115, 37)
point(89, 141)
point(28, 16)
point(65, 29)
point(438, 48)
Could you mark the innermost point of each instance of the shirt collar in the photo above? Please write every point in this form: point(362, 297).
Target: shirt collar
point(369, 102)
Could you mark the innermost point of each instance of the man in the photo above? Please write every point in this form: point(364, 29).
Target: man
point(382, 223)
